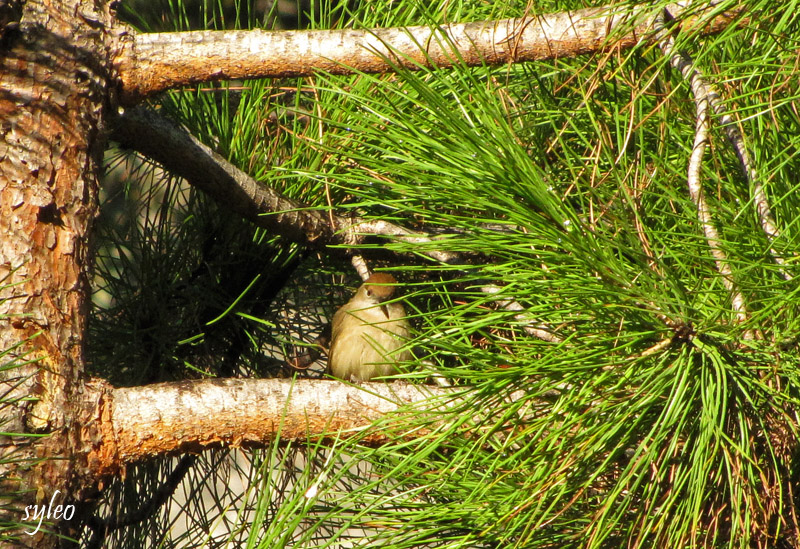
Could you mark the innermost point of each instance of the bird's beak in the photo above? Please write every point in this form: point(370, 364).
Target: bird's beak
point(385, 310)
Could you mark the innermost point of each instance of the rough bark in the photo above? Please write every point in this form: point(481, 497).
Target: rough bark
point(191, 416)
point(53, 87)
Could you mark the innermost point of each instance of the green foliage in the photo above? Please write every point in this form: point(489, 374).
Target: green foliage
point(650, 417)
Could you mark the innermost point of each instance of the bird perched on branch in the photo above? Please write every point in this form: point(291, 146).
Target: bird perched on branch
point(368, 331)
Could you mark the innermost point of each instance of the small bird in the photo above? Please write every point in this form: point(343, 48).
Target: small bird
point(367, 332)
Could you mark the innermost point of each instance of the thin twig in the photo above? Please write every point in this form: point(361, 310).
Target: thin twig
point(730, 126)
point(538, 331)
point(360, 266)
point(700, 89)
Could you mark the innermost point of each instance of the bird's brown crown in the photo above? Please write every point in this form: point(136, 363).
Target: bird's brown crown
point(380, 286)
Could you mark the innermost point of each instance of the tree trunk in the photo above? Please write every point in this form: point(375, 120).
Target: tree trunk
point(54, 82)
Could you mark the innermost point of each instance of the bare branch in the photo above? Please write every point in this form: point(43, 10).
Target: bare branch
point(730, 126)
point(181, 153)
point(151, 63)
point(700, 89)
point(189, 416)
point(360, 265)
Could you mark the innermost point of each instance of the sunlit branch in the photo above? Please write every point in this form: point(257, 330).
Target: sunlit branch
point(700, 89)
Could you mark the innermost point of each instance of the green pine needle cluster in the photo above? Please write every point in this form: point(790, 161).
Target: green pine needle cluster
point(649, 416)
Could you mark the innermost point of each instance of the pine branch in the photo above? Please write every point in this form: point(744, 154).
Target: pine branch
point(152, 63)
point(189, 416)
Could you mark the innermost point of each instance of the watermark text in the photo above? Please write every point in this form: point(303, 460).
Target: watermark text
point(34, 512)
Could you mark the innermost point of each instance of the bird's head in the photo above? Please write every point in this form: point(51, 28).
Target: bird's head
point(379, 287)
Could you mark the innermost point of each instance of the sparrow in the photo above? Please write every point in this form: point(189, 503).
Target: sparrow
point(367, 332)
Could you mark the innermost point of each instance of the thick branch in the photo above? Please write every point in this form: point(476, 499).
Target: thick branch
point(151, 63)
point(189, 416)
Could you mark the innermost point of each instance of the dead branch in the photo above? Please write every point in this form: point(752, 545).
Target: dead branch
point(531, 327)
point(730, 126)
point(700, 89)
point(172, 146)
